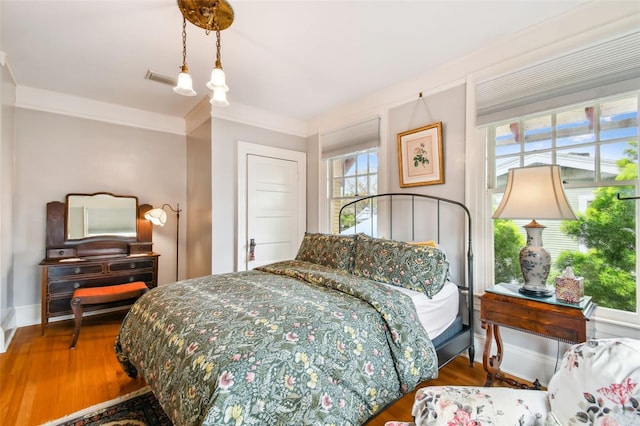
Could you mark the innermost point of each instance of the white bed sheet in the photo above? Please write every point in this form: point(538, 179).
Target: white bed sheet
point(437, 313)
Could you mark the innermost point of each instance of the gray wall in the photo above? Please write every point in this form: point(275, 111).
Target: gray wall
point(224, 150)
point(447, 107)
point(57, 154)
point(199, 201)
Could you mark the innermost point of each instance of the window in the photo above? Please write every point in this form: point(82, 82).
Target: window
point(596, 146)
point(352, 176)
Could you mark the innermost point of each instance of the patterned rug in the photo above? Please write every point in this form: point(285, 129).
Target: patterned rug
point(139, 408)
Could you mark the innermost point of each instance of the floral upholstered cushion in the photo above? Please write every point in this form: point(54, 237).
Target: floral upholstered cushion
point(418, 268)
point(479, 406)
point(333, 251)
point(598, 384)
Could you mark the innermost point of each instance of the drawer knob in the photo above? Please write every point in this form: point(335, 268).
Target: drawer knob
point(77, 270)
point(132, 279)
point(132, 265)
point(60, 252)
point(76, 285)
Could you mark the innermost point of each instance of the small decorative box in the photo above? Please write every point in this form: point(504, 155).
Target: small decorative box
point(569, 288)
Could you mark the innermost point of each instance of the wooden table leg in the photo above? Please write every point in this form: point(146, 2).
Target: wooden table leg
point(491, 363)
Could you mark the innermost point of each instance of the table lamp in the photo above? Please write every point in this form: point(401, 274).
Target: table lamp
point(534, 192)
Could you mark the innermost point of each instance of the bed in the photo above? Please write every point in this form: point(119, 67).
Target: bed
point(325, 338)
point(433, 220)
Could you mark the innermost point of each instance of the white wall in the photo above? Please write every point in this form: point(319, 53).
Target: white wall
point(58, 154)
point(224, 148)
point(7, 141)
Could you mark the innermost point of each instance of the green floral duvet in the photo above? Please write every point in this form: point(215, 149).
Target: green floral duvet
point(291, 343)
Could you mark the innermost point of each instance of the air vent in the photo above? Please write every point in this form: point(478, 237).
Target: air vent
point(160, 78)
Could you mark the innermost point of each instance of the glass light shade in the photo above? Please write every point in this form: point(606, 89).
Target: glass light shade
point(157, 216)
point(185, 85)
point(219, 98)
point(534, 193)
point(218, 80)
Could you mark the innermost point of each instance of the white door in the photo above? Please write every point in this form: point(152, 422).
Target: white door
point(272, 221)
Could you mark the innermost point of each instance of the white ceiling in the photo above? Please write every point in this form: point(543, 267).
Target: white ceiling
point(297, 59)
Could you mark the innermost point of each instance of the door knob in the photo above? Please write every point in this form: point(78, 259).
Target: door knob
point(252, 249)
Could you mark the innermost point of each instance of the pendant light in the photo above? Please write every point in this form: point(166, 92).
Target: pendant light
point(185, 83)
point(211, 15)
point(218, 81)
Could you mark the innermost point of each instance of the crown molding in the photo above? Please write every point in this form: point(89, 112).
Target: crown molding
point(249, 115)
point(60, 103)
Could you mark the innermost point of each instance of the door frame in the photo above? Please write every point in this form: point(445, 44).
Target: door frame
point(245, 149)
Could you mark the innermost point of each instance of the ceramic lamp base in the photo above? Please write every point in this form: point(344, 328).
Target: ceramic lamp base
point(535, 260)
point(535, 293)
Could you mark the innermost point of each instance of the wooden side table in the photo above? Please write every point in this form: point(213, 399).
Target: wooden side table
point(503, 305)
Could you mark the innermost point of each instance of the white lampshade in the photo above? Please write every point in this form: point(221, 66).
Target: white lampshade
point(534, 193)
point(185, 85)
point(219, 98)
point(157, 216)
point(218, 80)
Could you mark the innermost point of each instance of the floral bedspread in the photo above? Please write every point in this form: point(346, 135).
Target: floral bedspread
point(291, 343)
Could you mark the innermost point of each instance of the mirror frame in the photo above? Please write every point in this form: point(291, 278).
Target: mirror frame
point(105, 237)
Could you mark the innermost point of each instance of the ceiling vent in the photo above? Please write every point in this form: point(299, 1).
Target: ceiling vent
point(160, 78)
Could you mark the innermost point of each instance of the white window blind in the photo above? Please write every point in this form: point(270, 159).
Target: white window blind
point(600, 70)
point(356, 137)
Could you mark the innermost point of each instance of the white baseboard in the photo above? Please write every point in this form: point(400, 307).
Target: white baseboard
point(524, 363)
point(28, 315)
point(7, 330)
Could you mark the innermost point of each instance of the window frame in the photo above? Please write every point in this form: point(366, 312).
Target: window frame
point(329, 179)
point(486, 138)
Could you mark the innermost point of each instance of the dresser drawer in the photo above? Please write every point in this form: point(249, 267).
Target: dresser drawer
point(60, 253)
point(60, 278)
point(73, 270)
point(131, 264)
point(65, 288)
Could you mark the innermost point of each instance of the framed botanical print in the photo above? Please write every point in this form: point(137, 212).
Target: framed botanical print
point(420, 160)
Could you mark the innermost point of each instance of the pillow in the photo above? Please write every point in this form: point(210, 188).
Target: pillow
point(598, 383)
point(334, 251)
point(428, 243)
point(418, 268)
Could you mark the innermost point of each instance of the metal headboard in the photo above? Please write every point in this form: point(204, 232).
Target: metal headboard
point(465, 338)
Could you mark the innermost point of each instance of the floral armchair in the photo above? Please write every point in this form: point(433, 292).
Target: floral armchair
point(598, 383)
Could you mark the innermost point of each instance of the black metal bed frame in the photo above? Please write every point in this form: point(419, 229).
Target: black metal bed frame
point(463, 339)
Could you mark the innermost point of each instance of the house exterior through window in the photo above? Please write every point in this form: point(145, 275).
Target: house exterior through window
point(350, 177)
point(595, 144)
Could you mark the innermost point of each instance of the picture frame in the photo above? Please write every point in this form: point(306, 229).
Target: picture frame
point(420, 160)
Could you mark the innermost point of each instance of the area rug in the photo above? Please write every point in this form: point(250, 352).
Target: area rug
point(138, 408)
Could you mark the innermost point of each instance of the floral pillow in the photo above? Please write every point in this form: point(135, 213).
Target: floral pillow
point(334, 251)
point(418, 268)
point(598, 384)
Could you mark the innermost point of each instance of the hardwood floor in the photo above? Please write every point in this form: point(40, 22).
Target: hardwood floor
point(42, 380)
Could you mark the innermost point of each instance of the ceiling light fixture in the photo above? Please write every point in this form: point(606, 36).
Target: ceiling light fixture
point(211, 15)
point(185, 83)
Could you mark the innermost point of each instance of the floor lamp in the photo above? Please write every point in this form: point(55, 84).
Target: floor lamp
point(158, 216)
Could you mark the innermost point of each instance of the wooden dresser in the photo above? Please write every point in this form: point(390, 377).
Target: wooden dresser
point(60, 278)
point(93, 261)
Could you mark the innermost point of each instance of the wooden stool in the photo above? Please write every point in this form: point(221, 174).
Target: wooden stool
point(103, 294)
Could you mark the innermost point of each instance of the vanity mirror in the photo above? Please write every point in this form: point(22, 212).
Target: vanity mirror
point(98, 224)
point(101, 215)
